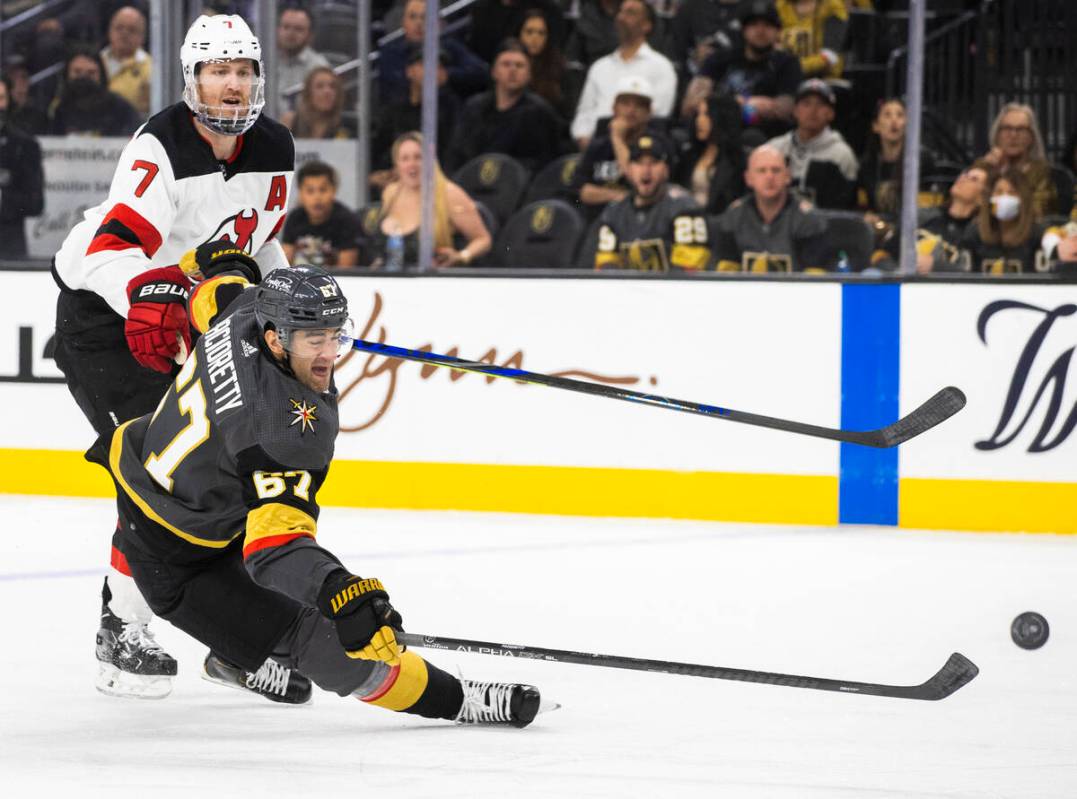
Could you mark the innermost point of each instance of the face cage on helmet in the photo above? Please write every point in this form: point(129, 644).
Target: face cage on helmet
point(225, 119)
point(346, 335)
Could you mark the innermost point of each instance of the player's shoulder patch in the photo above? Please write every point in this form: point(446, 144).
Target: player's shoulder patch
point(297, 427)
point(805, 206)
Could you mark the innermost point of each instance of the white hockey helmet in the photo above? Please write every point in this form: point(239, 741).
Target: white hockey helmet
point(223, 37)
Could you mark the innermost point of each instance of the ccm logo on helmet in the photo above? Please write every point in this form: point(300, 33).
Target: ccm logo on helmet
point(162, 288)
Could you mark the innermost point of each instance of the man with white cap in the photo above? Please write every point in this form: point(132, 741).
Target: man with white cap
point(633, 58)
point(600, 176)
point(206, 175)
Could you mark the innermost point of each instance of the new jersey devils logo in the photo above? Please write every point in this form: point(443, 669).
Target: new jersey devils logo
point(238, 229)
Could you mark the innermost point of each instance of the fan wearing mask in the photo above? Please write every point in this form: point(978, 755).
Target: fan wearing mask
point(1006, 237)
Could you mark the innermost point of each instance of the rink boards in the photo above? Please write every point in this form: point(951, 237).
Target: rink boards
point(850, 355)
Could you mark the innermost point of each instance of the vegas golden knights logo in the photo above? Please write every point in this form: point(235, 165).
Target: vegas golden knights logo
point(568, 171)
point(370, 220)
point(542, 219)
point(489, 172)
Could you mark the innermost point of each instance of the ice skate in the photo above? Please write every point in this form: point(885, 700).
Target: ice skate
point(501, 703)
point(130, 662)
point(273, 681)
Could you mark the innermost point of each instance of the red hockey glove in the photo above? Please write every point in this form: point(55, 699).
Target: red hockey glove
point(157, 326)
point(364, 619)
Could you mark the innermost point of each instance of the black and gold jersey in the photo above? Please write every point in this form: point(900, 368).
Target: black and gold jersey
point(237, 446)
point(794, 241)
point(670, 234)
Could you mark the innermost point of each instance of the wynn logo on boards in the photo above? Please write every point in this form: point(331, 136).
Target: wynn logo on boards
point(1056, 419)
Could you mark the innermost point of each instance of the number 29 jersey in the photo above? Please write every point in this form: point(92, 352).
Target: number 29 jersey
point(237, 446)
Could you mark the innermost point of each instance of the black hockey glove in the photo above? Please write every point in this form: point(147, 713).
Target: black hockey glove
point(214, 257)
point(364, 619)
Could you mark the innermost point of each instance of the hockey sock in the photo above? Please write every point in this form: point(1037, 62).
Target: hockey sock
point(123, 598)
point(415, 686)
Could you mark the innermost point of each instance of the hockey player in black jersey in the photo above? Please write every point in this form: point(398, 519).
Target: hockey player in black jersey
point(220, 485)
point(207, 168)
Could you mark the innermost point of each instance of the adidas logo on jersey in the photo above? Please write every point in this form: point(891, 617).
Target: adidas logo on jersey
point(248, 348)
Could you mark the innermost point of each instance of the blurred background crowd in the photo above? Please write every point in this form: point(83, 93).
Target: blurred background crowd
point(654, 135)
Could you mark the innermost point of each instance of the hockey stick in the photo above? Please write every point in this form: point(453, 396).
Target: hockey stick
point(940, 407)
point(956, 672)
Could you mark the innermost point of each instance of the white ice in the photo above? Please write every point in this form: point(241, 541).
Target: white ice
point(855, 603)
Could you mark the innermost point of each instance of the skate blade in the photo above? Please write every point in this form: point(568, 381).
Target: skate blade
point(546, 706)
point(227, 684)
point(111, 681)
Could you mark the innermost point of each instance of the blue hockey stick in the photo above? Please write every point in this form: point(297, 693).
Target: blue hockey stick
point(940, 407)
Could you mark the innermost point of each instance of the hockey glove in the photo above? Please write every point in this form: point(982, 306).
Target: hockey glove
point(157, 328)
point(364, 619)
point(214, 257)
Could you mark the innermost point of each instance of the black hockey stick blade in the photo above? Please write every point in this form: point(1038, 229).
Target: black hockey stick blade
point(937, 409)
point(956, 672)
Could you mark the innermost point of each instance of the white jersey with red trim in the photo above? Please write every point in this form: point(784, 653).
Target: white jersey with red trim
point(170, 194)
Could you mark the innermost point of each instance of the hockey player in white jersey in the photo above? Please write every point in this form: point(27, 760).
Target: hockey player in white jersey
point(208, 169)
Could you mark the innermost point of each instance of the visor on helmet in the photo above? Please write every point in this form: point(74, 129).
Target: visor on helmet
point(309, 343)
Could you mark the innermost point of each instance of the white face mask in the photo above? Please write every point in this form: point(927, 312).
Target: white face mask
point(1007, 207)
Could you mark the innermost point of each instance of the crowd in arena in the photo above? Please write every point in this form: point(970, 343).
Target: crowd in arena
point(653, 135)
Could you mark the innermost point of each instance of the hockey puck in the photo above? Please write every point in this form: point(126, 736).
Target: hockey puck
point(1029, 630)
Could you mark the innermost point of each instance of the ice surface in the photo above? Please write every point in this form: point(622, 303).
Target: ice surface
point(856, 603)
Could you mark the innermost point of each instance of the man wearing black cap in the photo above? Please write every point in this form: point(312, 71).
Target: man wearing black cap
point(762, 78)
point(821, 163)
point(658, 227)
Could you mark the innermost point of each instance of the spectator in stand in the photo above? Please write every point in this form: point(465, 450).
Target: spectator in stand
point(595, 32)
point(600, 176)
point(127, 64)
point(465, 72)
point(821, 163)
point(1017, 145)
point(1006, 237)
point(21, 180)
point(632, 58)
point(493, 21)
point(319, 111)
point(320, 230)
point(456, 218)
point(943, 231)
point(295, 57)
point(702, 28)
point(879, 180)
point(763, 77)
point(1069, 161)
point(770, 229)
point(547, 63)
point(712, 163)
point(658, 227)
point(23, 112)
point(85, 106)
point(814, 31)
point(406, 115)
point(508, 118)
point(1060, 248)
